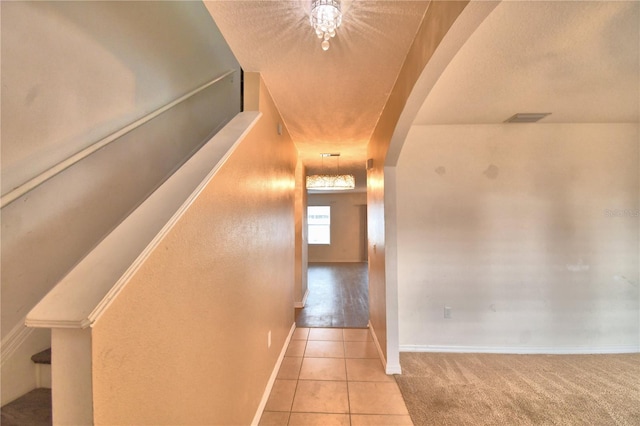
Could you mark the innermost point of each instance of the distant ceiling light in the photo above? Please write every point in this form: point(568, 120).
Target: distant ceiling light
point(328, 182)
point(527, 117)
point(326, 17)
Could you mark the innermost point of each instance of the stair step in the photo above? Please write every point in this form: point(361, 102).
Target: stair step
point(43, 357)
point(33, 409)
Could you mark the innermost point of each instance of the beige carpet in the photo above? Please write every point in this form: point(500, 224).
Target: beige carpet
point(487, 389)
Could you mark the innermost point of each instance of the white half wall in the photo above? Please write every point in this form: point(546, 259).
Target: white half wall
point(72, 74)
point(529, 233)
point(195, 334)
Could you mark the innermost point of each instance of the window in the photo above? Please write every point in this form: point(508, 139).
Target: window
point(319, 224)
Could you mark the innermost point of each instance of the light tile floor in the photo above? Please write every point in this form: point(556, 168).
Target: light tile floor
point(333, 376)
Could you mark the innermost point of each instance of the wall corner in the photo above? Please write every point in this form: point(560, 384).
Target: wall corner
point(251, 91)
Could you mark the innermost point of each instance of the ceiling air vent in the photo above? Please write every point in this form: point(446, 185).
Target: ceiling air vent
point(527, 117)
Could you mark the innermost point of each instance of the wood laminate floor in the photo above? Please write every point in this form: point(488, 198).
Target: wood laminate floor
point(338, 296)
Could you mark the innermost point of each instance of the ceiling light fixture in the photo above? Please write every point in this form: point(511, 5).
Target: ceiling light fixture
point(326, 17)
point(327, 182)
point(527, 117)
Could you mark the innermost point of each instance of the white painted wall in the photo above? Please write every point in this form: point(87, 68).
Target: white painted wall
point(348, 231)
point(528, 232)
point(73, 73)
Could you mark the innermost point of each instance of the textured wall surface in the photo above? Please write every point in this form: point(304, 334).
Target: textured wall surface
point(73, 73)
point(528, 232)
point(348, 232)
point(186, 340)
point(302, 248)
point(383, 309)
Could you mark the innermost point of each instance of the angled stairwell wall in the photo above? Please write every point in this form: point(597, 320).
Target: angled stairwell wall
point(186, 340)
point(72, 74)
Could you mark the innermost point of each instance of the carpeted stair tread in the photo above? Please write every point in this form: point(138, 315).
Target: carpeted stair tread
point(43, 357)
point(33, 409)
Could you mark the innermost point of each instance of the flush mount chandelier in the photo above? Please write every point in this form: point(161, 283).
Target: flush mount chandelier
point(326, 17)
point(331, 182)
point(328, 182)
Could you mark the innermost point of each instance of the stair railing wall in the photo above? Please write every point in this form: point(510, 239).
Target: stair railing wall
point(75, 204)
point(82, 295)
point(101, 102)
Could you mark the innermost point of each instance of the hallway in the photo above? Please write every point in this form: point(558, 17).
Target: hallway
point(333, 376)
point(338, 296)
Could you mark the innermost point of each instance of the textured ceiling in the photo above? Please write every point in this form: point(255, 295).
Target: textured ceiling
point(578, 60)
point(330, 101)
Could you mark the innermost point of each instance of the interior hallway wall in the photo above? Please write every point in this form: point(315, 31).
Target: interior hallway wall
point(302, 248)
point(186, 342)
point(528, 232)
point(381, 181)
point(347, 220)
point(73, 73)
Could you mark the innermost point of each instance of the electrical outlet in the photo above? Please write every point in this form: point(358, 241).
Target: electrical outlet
point(269, 339)
point(447, 312)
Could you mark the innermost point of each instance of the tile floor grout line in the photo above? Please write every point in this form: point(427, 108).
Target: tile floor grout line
point(297, 380)
point(347, 380)
point(293, 399)
point(346, 373)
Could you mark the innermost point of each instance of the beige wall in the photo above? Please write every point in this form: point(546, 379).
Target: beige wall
point(72, 73)
point(383, 309)
point(348, 234)
point(302, 249)
point(186, 341)
point(528, 232)
point(376, 248)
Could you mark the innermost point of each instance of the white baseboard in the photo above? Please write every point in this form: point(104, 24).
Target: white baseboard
point(522, 350)
point(272, 379)
point(304, 300)
point(393, 369)
point(387, 368)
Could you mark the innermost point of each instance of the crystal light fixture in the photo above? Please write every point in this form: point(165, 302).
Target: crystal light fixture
point(327, 182)
point(331, 182)
point(326, 17)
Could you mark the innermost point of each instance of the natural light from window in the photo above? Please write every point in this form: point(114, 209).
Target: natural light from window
point(319, 224)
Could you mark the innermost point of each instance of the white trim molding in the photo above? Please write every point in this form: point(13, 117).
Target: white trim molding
point(388, 368)
point(375, 340)
point(74, 304)
point(19, 191)
point(13, 340)
point(393, 369)
point(304, 300)
point(523, 350)
point(272, 379)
